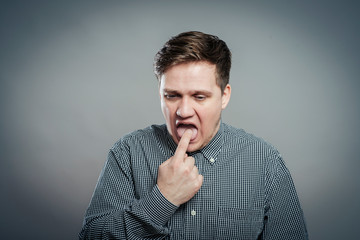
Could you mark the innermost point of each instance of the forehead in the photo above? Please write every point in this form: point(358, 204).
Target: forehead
point(191, 75)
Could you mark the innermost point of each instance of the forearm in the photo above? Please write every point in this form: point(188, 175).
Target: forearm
point(139, 219)
point(120, 211)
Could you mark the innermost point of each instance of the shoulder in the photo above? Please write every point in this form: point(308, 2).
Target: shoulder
point(240, 140)
point(148, 134)
point(239, 135)
point(254, 152)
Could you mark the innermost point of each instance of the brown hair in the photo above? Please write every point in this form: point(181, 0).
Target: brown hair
point(195, 46)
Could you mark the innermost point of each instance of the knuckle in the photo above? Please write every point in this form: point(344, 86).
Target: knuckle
point(197, 185)
point(190, 160)
point(187, 171)
point(196, 170)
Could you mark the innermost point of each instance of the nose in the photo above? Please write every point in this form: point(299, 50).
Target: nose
point(185, 109)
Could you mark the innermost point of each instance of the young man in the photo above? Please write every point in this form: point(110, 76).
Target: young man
point(195, 177)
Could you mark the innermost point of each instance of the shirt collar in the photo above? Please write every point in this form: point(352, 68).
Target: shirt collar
point(211, 150)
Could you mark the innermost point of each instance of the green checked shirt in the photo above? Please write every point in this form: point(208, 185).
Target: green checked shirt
point(247, 192)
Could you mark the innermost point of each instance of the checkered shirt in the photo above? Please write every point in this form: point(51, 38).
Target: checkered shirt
point(247, 192)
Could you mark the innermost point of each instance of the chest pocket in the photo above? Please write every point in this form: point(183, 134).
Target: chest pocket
point(235, 223)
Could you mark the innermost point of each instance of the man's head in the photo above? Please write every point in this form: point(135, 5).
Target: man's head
point(193, 73)
point(192, 47)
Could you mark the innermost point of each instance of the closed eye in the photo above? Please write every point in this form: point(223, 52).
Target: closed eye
point(171, 96)
point(200, 97)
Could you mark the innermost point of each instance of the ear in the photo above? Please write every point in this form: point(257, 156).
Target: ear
point(159, 89)
point(160, 81)
point(226, 96)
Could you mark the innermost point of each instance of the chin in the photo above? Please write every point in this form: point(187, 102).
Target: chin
point(193, 147)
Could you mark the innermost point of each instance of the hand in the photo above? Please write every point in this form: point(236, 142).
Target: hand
point(178, 178)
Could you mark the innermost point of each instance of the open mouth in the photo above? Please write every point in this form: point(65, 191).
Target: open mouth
point(181, 128)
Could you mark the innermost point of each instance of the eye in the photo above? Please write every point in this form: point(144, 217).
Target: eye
point(200, 97)
point(170, 96)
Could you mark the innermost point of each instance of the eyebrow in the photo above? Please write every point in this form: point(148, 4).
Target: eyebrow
point(195, 92)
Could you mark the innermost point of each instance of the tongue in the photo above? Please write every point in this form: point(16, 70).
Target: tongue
point(182, 128)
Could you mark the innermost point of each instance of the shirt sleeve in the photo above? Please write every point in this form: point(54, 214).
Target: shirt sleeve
point(284, 217)
point(117, 212)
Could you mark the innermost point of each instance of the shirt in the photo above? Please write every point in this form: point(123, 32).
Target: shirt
point(247, 191)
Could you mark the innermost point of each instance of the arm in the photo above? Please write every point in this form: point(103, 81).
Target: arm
point(283, 214)
point(116, 212)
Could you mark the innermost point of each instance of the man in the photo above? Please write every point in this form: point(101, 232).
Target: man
point(195, 177)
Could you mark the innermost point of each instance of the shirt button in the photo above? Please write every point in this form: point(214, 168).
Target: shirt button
point(212, 160)
point(193, 212)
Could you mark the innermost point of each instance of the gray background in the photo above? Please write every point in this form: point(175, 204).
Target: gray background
point(75, 76)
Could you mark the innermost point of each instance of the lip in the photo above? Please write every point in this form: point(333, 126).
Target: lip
point(178, 122)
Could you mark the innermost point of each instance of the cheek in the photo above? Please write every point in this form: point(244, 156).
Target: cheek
point(166, 109)
point(210, 117)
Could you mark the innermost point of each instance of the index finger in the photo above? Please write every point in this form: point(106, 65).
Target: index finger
point(183, 143)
